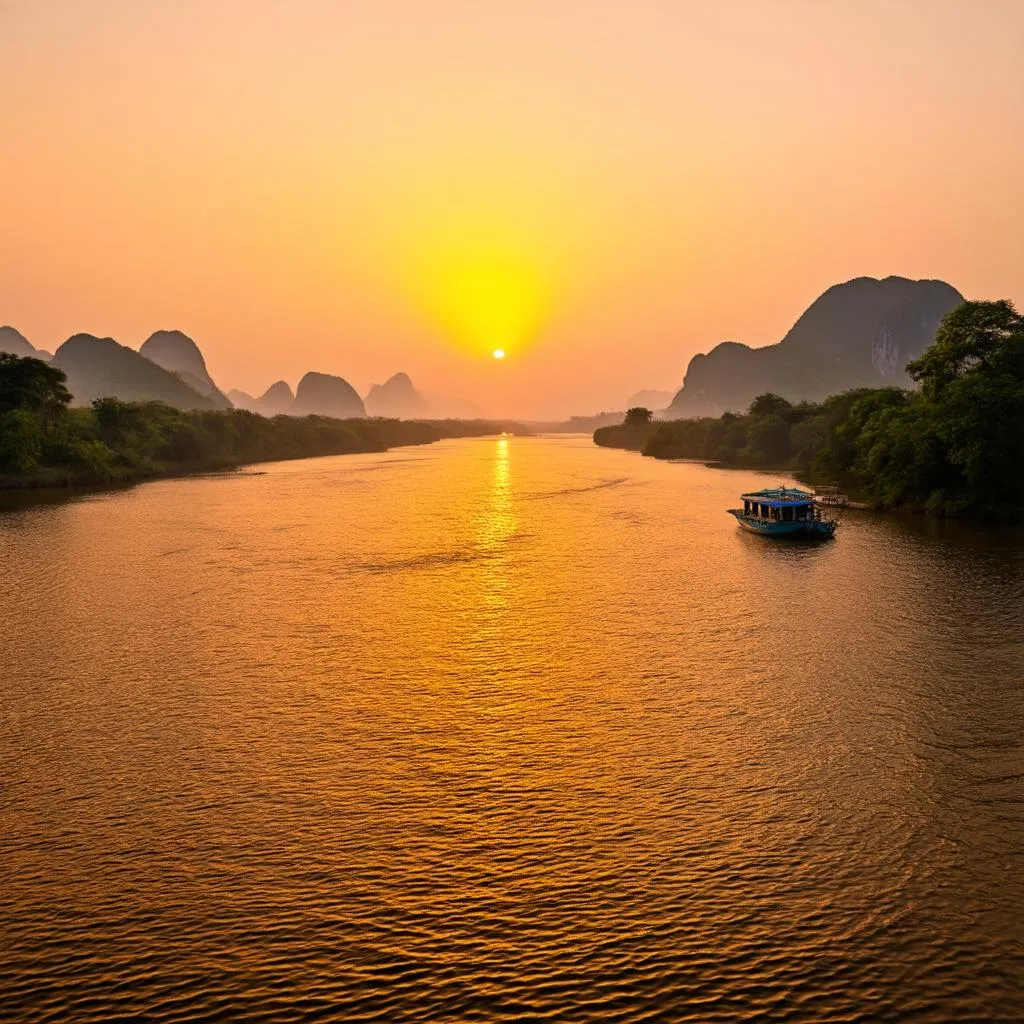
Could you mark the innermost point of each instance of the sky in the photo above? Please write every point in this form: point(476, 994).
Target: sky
point(600, 188)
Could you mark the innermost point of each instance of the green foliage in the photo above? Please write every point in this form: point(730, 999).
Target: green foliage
point(631, 433)
point(31, 384)
point(983, 339)
point(21, 440)
point(954, 447)
point(769, 405)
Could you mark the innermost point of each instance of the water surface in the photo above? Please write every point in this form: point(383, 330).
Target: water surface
point(504, 730)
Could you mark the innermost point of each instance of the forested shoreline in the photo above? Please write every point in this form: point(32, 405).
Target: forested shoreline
point(954, 446)
point(44, 442)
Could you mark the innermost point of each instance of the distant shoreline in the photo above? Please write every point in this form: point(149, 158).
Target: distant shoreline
point(114, 444)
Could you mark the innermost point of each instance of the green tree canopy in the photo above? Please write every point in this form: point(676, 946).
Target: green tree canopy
point(984, 338)
point(638, 416)
point(31, 384)
point(769, 404)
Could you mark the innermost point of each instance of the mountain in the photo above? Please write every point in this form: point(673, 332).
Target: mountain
point(858, 334)
point(16, 343)
point(179, 354)
point(322, 394)
point(275, 401)
point(649, 399)
point(100, 367)
point(242, 400)
point(397, 399)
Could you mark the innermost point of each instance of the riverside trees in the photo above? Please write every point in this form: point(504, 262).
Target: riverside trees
point(954, 446)
point(45, 442)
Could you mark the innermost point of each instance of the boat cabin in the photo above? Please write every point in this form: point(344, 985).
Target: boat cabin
point(780, 504)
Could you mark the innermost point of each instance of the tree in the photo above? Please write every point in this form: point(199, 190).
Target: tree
point(21, 441)
point(972, 393)
point(768, 441)
point(638, 416)
point(975, 338)
point(31, 384)
point(769, 404)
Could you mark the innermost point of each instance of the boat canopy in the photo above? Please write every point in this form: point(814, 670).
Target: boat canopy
point(779, 497)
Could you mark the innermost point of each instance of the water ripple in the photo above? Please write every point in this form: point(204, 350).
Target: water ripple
point(439, 749)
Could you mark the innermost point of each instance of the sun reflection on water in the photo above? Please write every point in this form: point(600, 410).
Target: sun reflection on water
point(497, 525)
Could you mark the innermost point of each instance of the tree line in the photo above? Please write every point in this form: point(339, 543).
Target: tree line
point(44, 441)
point(953, 446)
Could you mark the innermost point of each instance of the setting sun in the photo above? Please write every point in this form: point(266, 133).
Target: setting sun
point(498, 353)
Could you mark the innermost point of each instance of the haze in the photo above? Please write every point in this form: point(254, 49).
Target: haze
point(599, 188)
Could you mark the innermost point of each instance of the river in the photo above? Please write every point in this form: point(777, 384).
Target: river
point(512, 729)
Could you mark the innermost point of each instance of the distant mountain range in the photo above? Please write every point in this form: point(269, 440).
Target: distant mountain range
point(858, 334)
point(169, 367)
point(101, 368)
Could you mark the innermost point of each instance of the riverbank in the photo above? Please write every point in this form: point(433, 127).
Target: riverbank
point(953, 447)
point(884, 448)
point(114, 443)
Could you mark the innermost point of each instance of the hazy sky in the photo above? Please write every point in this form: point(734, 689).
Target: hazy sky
point(600, 187)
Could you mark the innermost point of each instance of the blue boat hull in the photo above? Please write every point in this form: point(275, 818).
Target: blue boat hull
point(821, 528)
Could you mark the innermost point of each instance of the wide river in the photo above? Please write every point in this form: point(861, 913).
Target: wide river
point(504, 730)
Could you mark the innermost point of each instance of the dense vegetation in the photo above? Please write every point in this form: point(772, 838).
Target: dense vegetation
point(954, 446)
point(44, 442)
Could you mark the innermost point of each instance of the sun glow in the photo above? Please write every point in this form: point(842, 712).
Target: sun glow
point(483, 256)
point(485, 296)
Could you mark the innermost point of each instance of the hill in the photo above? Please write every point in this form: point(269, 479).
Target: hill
point(650, 398)
point(242, 400)
point(858, 334)
point(179, 354)
point(16, 343)
point(396, 397)
point(100, 368)
point(322, 394)
point(277, 400)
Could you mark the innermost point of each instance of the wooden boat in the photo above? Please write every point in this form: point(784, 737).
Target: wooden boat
point(783, 512)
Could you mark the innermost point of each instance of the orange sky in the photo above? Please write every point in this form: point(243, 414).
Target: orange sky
point(600, 187)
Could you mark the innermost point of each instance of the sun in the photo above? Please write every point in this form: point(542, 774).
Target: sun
point(498, 353)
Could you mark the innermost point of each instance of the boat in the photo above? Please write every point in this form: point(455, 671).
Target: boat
point(783, 512)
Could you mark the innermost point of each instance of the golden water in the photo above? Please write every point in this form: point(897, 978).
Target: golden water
point(504, 730)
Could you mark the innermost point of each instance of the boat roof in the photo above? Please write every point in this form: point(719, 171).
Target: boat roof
point(780, 496)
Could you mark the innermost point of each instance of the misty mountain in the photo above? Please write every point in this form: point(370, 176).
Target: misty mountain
point(15, 343)
point(242, 400)
point(179, 354)
point(277, 400)
point(650, 399)
point(446, 407)
point(100, 367)
point(858, 334)
point(396, 398)
point(322, 394)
